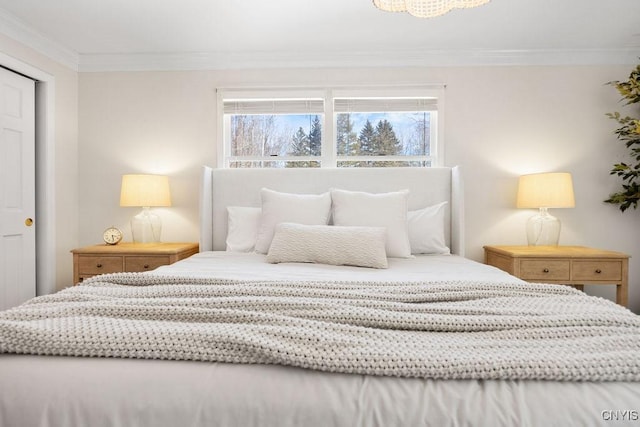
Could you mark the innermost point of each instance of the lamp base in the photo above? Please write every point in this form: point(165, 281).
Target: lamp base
point(543, 229)
point(146, 227)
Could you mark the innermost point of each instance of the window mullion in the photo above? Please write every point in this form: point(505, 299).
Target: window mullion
point(329, 140)
point(223, 127)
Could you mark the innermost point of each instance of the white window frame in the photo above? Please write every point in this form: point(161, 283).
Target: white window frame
point(329, 157)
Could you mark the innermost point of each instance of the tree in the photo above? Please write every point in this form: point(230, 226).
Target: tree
point(346, 137)
point(629, 133)
point(258, 135)
point(299, 143)
point(301, 146)
point(315, 137)
point(241, 136)
point(385, 140)
point(306, 145)
point(366, 139)
point(422, 132)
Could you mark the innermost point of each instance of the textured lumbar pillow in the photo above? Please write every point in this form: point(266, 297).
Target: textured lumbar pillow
point(308, 209)
point(324, 244)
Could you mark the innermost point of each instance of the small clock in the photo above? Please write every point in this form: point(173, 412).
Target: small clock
point(112, 236)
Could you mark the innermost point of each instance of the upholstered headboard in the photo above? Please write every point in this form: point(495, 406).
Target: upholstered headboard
point(241, 187)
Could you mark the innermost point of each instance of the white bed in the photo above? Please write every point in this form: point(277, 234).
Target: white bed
point(68, 391)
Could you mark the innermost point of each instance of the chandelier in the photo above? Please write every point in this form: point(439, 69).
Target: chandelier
point(426, 8)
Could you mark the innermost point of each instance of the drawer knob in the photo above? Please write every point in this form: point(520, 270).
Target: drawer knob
point(546, 270)
point(146, 266)
point(598, 271)
point(99, 265)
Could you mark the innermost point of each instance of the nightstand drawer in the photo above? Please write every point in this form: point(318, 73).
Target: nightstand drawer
point(597, 270)
point(127, 257)
point(564, 265)
point(145, 263)
point(545, 269)
point(91, 265)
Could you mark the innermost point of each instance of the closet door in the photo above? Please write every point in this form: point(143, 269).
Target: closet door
point(17, 189)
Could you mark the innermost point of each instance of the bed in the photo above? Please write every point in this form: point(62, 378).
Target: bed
point(267, 368)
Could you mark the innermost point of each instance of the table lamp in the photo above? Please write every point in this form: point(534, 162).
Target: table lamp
point(145, 191)
point(543, 191)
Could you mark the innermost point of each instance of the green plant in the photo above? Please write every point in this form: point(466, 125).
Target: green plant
point(629, 133)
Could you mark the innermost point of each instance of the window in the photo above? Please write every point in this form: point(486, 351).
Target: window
point(372, 127)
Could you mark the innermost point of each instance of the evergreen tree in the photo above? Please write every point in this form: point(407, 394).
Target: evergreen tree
point(315, 137)
point(299, 147)
point(366, 139)
point(385, 141)
point(346, 137)
point(299, 143)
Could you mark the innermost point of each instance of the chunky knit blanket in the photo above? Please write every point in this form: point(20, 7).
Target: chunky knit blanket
point(444, 330)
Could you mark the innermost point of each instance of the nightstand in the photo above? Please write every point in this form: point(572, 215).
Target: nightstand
point(565, 265)
point(127, 257)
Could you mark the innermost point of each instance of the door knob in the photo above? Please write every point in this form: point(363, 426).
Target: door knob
point(28, 222)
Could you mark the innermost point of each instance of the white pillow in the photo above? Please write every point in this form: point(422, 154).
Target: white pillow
point(242, 228)
point(308, 209)
point(329, 244)
point(387, 210)
point(426, 230)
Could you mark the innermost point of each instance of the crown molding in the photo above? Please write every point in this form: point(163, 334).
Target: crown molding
point(391, 58)
point(18, 30)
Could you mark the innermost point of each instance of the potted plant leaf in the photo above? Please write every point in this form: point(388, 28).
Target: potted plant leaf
point(629, 133)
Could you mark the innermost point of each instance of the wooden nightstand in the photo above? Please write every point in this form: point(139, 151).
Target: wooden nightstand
point(130, 257)
point(565, 265)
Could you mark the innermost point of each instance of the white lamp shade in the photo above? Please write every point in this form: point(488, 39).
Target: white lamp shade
point(546, 190)
point(145, 190)
point(542, 191)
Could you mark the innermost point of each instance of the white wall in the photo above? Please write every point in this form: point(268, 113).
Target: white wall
point(500, 122)
point(161, 123)
point(65, 152)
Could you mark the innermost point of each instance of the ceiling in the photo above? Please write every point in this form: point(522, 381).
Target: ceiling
point(92, 35)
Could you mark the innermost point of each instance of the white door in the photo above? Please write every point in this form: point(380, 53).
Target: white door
point(17, 189)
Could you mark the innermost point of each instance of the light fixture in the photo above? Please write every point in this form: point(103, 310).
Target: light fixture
point(543, 191)
point(145, 191)
point(426, 8)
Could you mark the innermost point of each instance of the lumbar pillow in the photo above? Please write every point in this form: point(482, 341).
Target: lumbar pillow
point(326, 244)
point(388, 210)
point(308, 209)
point(242, 228)
point(426, 230)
